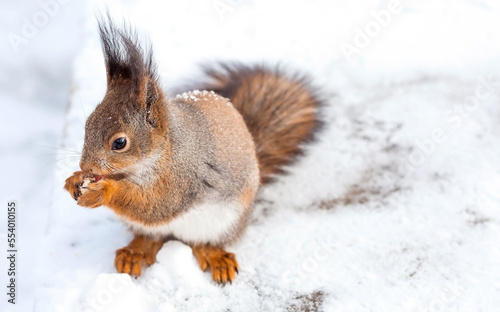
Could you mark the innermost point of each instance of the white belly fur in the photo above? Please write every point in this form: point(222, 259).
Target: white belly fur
point(205, 223)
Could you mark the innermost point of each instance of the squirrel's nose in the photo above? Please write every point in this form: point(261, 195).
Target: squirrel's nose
point(85, 164)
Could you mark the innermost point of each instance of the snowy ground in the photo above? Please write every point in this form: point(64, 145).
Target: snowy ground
point(35, 79)
point(396, 208)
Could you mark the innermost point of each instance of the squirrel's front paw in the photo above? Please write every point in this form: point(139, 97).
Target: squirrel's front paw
point(94, 194)
point(74, 183)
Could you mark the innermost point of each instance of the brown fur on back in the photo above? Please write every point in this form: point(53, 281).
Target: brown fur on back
point(280, 110)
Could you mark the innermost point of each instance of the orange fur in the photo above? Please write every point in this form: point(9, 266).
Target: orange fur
point(222, 263)
point(74, 183)
point(129, 259)
point(247, 197)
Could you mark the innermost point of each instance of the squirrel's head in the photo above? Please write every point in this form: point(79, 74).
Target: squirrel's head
point(130, 123)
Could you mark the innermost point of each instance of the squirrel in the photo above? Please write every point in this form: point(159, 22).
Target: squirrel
point(187, 167)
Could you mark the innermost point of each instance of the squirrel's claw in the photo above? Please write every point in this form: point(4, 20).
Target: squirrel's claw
point(73, 184)
point(223, 264)
point(129, 259)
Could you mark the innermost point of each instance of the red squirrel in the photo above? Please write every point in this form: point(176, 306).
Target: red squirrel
point(187, 167)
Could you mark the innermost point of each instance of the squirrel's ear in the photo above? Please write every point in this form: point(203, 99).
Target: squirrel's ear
point(129, 63)
point(150, 96)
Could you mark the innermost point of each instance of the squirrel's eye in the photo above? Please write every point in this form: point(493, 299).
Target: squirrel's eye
point(119, 143)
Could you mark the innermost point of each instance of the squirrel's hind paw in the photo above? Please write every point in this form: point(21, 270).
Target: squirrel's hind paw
point(129, 259)
point(223, 264)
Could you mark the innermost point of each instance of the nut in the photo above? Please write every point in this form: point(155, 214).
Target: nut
point(86, 182)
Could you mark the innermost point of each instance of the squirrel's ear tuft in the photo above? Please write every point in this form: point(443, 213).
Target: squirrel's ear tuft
point(126, 60)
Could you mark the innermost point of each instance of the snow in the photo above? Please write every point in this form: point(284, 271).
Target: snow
point(395, 208)
point(35, 83)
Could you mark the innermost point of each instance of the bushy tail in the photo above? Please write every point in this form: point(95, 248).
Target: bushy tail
point(280, 110)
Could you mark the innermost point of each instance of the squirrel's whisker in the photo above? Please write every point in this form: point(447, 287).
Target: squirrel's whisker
point(58, 148)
